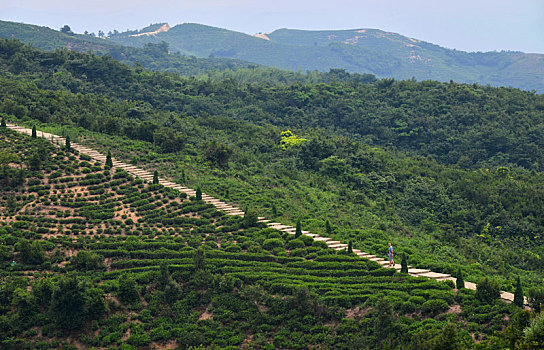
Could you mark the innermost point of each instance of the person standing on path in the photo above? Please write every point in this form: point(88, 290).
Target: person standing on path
point(391, 261)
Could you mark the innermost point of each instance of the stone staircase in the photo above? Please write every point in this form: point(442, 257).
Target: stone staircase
point(231, 210)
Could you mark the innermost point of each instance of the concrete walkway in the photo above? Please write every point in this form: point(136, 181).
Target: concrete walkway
point(231, 210)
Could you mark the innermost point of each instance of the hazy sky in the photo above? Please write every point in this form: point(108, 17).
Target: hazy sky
point(470, 25)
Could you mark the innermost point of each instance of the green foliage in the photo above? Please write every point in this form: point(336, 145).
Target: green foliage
point(156, 179)
point(34, 135)
point(127, 290)
point(168, 140)
point(3, 122)
point(298, 229)
point(518, 294)
point(288, 140)
point(487, 291)
point(204, 277)
point(271, 243)
point(404, 263)
point(69, 302)
point(109, 162)
point(350, 247)
point(459, 282)
point(535, 298)
point(534, 333)
point(67, 145)
point(218, 154)
point(31, 252)
point(87, 261)
point(198, 195)
point(251, 218)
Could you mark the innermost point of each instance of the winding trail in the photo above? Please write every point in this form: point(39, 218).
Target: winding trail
point(232, 210)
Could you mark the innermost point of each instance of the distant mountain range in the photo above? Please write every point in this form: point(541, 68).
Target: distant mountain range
point(371, 51)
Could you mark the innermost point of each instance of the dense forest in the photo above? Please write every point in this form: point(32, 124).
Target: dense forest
point(468, 125)
point(450, 173)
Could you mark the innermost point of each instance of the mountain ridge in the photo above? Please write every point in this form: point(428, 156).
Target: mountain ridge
point(364, 51)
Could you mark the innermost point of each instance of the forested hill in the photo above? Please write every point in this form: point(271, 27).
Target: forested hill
point(154, 57)
point(364, 51)
point(372, 51)
point(468, 125)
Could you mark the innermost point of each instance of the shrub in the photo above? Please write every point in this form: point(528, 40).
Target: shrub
point(295, 243)
point(234, 248)
point(434, 306)
point(487, 291)
point(270, 244)
point(536, 298)
point(320, 244)
point(250, 218)
point(308, 241)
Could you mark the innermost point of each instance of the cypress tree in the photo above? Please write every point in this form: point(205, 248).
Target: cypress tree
point(68, 147)
point(34, 133)
point(460, 282)
point(298, 231)
point(404, 263)
point(350, 248)
point(155, 177)
point(109, 162)
point(198, 194)
point(328, 228)
point(3, 122)
point(518, 294)
point(251, 218)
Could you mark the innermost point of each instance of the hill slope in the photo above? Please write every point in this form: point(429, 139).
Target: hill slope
point(366, 51)
point(155, 57)
point(360, 50)
point(93, 257)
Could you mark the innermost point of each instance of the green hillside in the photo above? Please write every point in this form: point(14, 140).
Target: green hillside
point(155, 57)
point(364, 51)
point(92, 257)
point(451, 174)
point(372, 51)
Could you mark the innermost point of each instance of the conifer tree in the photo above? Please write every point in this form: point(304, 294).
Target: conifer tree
point(34, 133)
point(155, 177)
point(198, 194)
point(518, 294)
point(251, 218)
point(404, 263)
point(298, 231)
point(328, 227)
point(109, 162)
point(3, 123)
point(68, 147)
point(350, 248)
point(460, 283)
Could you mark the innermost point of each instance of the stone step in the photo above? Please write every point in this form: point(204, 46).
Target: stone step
point(417, 271)
point(322, 239)
point(339, 244)
point(367, 256)
point(313, 235)
point(376, 259)
point(434, 275)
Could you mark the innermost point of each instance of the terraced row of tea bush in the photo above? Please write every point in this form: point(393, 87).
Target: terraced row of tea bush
point(92, 257)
